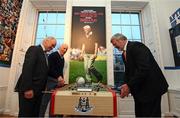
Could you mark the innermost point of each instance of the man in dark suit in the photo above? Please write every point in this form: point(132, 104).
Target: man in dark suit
point(143, 77)
point(33, 78)
point(55, 76)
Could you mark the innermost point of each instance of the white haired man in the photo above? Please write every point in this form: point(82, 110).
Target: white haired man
point(33, 78)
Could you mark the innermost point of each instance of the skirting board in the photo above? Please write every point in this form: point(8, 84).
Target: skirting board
point(1, 111)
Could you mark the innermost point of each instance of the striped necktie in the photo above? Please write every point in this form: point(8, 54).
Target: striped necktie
point(46, 56)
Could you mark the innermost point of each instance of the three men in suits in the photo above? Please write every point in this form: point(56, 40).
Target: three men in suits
point(143, 77)
point(33, 78)
point(55, 76)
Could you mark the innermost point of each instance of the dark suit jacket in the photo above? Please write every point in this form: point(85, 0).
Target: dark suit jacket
point(34, 72)
point(142, 73)
point(56, 66)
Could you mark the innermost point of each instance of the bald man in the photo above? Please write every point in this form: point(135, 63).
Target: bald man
point(55, 75)
point(32, 80)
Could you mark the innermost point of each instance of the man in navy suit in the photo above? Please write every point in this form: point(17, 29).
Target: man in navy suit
point(55, 76)
point(143, 77)
point(33, 78)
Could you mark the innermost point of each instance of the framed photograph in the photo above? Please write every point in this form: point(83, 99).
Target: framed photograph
point(88, 45)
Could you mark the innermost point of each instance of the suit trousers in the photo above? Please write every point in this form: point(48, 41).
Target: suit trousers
point(45, 101)
point(29, 107)
point(51, 85)
point(151, 108)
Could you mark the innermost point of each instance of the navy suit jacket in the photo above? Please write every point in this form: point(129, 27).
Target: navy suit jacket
point(142, 73)
point(56, 66)
point(34, 71)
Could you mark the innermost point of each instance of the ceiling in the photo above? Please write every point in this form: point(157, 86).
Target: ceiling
point(128, 5)
point(49, 4)
point(116, 4)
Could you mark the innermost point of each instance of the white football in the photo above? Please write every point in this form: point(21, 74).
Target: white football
point(80, 80)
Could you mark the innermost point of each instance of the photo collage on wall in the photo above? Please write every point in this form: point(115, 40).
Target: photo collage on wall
point(88, 54)
point(9, 17)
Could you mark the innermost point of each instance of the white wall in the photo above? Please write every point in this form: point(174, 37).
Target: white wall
point(4, 76)
point(164, 9)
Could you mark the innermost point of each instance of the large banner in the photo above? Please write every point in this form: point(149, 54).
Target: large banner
point(88, 45)
point(175, 42)
point(9, 18)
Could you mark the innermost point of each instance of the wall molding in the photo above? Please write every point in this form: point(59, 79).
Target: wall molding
point(3, 90)
point(3, 87)
point(2, 110)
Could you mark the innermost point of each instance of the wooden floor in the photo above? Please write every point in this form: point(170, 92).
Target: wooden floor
point(7, 116)
point(121, 116)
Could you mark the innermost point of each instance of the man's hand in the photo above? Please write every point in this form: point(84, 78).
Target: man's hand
point(29, 94)
point(124, 91)
point(60, 81)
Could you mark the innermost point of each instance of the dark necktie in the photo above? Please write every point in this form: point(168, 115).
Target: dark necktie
point(46, 56)
point(124, 55)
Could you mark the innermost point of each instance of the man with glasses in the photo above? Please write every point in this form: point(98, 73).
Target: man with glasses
point(33, 78)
